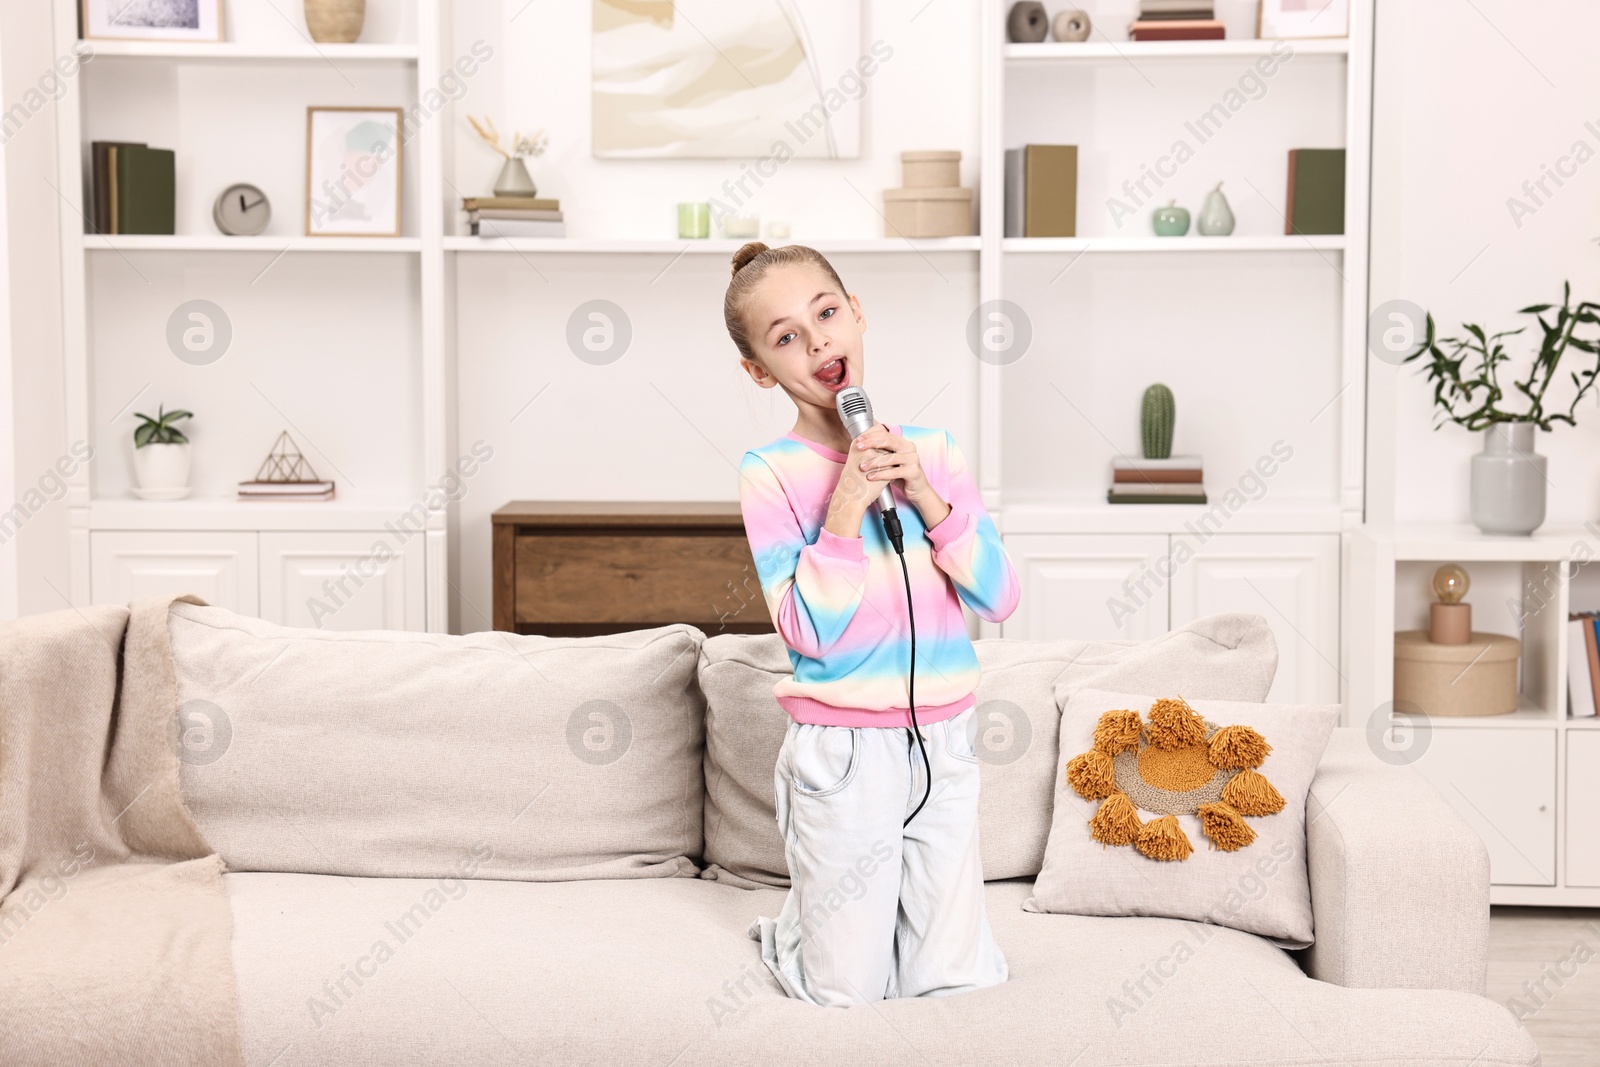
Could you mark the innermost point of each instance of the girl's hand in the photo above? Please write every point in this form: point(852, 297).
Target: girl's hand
point(890, 457)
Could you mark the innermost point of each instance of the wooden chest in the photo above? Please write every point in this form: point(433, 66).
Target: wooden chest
point(576, 568)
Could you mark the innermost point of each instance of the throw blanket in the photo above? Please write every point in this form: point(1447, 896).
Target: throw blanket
point(115, 929)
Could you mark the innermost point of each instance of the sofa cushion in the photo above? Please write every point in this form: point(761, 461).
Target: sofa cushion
point(1258, 885)
point(401, 971)
point(388, 753)
point(1227, 657)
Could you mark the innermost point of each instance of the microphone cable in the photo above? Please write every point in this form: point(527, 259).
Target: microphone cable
point(911, 675)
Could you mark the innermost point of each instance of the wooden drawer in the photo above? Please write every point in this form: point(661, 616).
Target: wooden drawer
point(593, 568)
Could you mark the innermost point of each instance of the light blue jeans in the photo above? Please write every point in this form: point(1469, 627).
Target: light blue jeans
point(876, 912)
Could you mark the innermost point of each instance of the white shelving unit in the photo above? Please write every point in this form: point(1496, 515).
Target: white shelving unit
point(1525, 780)
point(290, 562)
point(1277, 555)
point(1124, 104)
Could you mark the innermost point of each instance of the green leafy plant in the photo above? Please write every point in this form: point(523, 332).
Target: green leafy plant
point(160, 430)
point(1471, 396)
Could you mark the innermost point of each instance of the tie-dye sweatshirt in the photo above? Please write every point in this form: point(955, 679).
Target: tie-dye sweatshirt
point(840, 602)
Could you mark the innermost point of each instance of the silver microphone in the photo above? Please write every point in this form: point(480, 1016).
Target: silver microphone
point(855, 411)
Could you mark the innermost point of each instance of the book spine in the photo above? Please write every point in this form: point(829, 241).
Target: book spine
point(1593, 652)
point(1288, 201)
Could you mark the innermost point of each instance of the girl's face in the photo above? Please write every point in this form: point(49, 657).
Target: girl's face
point(806, 335)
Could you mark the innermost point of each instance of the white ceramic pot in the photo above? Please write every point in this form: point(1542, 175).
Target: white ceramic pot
point(159, 466)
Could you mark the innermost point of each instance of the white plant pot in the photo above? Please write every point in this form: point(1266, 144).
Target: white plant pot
point(159, 466)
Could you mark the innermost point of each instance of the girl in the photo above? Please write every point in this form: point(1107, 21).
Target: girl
point(878, 907)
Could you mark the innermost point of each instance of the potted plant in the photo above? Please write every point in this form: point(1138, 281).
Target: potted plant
point(1508, 476)
point(161, 455)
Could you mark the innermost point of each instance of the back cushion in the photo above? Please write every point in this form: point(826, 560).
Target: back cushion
point(408, 755)
point(1023, 685)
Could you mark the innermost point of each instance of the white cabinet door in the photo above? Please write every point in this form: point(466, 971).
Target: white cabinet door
point(217, 566)
point(1292, 580)
point(1583, 800)
point(1089, 586)
point(342, 580)
point(1503, 782)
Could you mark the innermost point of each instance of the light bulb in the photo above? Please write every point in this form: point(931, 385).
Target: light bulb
point(1450, 583)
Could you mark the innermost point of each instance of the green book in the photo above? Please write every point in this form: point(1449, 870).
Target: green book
point(143, 189)
point(1315, 203)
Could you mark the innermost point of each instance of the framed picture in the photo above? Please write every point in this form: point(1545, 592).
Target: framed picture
point(1303, 18)
point(737, 81)
point(151, 20)
point(353, 171)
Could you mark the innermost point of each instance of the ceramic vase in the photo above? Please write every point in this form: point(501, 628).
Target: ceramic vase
point(1508, 481)
point(335, 21)
point(1027, 22)
point(514, 180)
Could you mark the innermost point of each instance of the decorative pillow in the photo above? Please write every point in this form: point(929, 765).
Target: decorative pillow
point(1227, 656)
point(1188, 809)
point(396, 754)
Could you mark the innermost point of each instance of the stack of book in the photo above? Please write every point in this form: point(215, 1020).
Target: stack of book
point(133, 187)
point(514, 216)
point(1175, 480)
point(258, 490)
point(1176, 20)
point(1583, 664)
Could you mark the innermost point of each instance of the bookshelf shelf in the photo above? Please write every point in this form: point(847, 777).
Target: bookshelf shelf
point(1090, 516)
point(714, 246)
point(100, 242)
point(1310, 243)
point(1129, 51)
point(227, 513)
point(227, 50)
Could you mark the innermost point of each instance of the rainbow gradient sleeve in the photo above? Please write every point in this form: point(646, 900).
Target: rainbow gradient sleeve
point(839, 603)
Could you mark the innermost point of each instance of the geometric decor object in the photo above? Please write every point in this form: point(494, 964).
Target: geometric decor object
point(286, 463)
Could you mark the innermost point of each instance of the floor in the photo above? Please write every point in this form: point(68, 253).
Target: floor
point(1560, 948)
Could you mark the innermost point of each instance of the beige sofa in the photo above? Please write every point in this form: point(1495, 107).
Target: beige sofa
point(495, 849)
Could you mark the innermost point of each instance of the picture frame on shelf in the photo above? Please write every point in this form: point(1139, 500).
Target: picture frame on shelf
point(150, 20)
point(1303, 18)
point(353, 157)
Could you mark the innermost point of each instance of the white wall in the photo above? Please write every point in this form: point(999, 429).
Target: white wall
point(670, 419)
point(36, 401)
point(1471, 101)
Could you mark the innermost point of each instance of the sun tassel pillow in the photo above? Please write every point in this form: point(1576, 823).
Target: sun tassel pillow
point(1189, 810)
point(1176, 764)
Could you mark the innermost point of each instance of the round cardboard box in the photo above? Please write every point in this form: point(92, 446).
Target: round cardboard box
point(1477, 678)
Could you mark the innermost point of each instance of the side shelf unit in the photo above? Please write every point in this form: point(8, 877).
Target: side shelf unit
point(1524, 780)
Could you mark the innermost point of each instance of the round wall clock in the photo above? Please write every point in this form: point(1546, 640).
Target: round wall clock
point(241, 211)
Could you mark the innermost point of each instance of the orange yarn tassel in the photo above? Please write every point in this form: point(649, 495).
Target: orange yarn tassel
point(1164, 839)
point(1117, 731)
point(1251, 794)
point(1173, 724)
point(1225, 827)
point(1090, 774)
point(1236, 747)
point(1117, 821)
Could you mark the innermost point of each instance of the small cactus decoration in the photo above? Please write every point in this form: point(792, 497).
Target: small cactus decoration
point(1156, 415)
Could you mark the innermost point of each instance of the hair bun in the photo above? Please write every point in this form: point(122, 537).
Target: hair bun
point(748, 251)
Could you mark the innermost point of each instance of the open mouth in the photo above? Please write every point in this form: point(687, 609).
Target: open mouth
point(833, 374)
